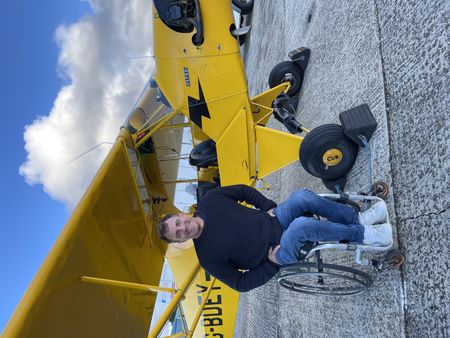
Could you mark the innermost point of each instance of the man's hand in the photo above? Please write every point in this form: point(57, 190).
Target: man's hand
point(270, 212)
point(271, 255)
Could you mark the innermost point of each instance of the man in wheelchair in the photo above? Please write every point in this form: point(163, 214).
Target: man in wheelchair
point(341, 223)
point(244, 247)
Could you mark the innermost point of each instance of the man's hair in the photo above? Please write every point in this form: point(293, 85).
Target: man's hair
point(162, 228)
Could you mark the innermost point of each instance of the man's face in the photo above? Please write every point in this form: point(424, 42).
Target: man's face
point(182, 227)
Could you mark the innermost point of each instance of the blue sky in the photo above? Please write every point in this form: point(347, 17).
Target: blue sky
point(30, 220)
point(70, 71)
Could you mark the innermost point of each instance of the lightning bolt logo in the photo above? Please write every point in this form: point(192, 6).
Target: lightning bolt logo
point(198, 107)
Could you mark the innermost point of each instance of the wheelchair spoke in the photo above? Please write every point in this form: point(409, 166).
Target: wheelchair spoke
point(323, 279)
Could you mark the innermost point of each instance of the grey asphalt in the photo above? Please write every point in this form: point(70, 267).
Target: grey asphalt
point(394, 56)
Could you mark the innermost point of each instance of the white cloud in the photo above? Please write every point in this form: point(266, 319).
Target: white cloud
point(103, 81)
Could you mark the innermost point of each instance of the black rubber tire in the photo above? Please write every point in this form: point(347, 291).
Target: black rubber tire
point(278, 76)
point(317, 279)
point(244, 7)
point(317, 142)
point(204, 154)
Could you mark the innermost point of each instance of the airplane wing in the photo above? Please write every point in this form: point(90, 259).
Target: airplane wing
point(110, 235)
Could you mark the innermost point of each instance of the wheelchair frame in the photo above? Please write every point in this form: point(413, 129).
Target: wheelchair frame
point(320, 278)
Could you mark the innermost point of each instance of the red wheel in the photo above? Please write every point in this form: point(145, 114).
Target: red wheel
point(380, 189)
point(394, 258)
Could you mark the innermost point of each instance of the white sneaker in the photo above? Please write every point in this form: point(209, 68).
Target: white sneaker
point(380, 234)
point(376, 214)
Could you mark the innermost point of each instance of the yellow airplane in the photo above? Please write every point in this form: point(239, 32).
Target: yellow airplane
point(102, 275)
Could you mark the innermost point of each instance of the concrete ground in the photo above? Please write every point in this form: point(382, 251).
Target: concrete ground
point(394, 56)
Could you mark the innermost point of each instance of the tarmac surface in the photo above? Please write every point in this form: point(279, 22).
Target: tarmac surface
point(394, 56)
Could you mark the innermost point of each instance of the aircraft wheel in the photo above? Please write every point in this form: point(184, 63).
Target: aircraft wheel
point(327, 153)
point(286, 71)
point(244, 6)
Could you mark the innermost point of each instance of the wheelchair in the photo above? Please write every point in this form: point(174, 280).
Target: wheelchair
point(310, 275)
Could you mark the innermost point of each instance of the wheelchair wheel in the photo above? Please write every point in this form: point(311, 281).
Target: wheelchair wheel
point(394, 259)
point(380, 189)
point(323, 279)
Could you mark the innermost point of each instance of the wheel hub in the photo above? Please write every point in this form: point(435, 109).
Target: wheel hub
point(291, 78)
point(332, 157)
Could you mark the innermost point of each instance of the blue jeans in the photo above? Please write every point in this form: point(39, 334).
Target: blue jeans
point(342, 223)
